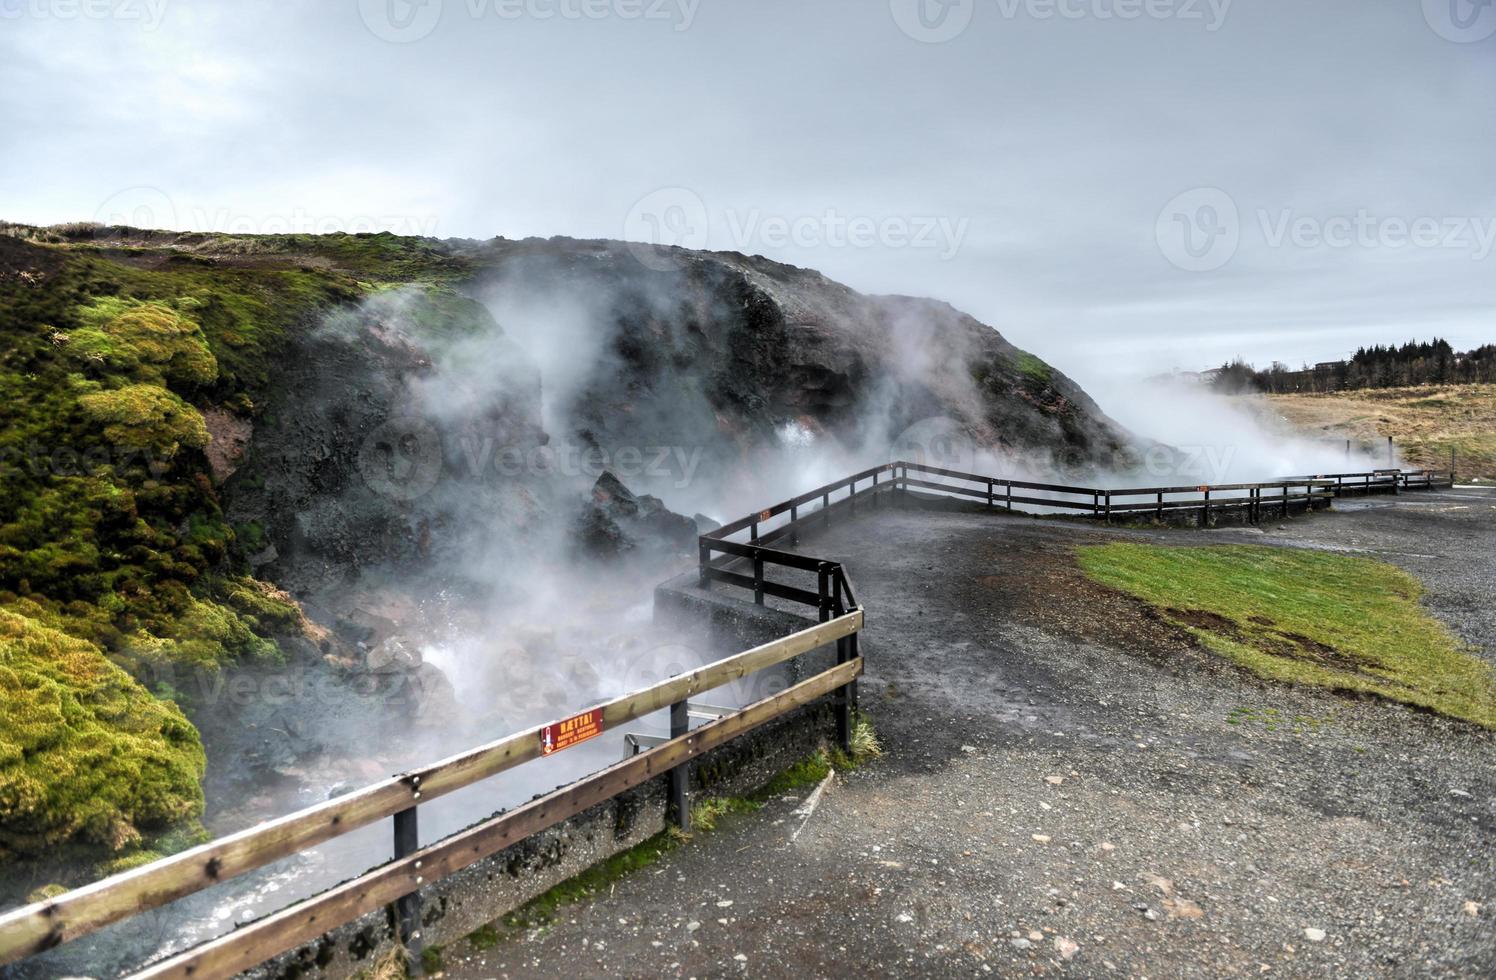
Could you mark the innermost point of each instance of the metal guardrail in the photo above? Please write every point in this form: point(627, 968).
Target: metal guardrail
point(43, 925)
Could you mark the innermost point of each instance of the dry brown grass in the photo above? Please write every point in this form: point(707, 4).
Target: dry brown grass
point(1425, 422)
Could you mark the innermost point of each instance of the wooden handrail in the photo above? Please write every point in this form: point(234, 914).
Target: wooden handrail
point(42, 925)
point(253, 944)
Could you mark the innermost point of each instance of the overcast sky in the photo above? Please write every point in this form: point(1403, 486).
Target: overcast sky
point(1118, 185)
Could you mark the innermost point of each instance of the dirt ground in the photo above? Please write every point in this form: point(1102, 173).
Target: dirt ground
point(1070, 787)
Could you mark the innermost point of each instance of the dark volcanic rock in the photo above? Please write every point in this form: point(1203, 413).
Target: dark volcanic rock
point(723, 351)
point(405, 434)
point(615, 521)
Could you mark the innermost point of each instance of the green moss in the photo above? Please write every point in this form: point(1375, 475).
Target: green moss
point(47, 891)
point(484, 938)
point(804, 774)
point(146, 417)
point(431, 961)
point(86, 754)
point(706, 812)
point(542, 909)
point(141, 341)
point(1034, 370)
point(1307, 617)
point(111, 530)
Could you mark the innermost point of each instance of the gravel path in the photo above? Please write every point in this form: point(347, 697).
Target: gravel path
point(1071, 788)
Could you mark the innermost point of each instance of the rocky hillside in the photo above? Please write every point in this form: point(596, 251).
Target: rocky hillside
point(205, 437)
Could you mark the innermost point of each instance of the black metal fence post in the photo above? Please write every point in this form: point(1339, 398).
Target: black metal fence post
point(678, 802)
point(408, 907)
point(1205, 510)
point(705, 555)
point(758, 579)
point(832, 603)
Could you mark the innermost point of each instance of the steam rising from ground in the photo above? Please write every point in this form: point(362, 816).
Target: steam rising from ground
point(513, 423)
point(1213, 438)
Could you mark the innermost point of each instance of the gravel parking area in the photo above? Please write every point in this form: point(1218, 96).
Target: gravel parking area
point(1071, 787)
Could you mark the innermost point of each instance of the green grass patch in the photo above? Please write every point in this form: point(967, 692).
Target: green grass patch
point(1307, 617)
point(1034, 368)
point(483, 938)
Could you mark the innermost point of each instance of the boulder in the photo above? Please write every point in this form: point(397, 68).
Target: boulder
point(393, 655)
point(615, 521)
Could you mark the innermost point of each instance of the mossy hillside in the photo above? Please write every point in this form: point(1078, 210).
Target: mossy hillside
point(86, 753)
point(1307, 617)
point(111, 532)
point(110, 527)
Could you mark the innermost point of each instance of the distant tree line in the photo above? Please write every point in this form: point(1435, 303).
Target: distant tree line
point(1425, 363)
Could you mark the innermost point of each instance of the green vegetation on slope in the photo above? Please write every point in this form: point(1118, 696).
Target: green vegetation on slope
point(86, 753)
point(115, 557)
point(1306, 617)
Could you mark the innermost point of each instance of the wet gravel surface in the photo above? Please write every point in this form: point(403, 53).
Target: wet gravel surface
point(1069, 787)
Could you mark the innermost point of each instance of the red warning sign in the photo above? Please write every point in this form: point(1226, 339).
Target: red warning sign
point(568, 732)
